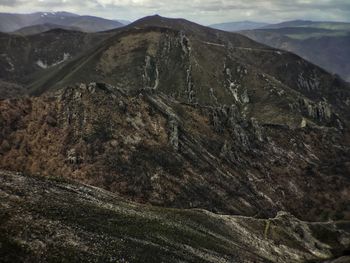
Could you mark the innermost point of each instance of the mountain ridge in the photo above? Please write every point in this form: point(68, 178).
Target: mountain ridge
point(41, 28)
point(239, 25)
point(12, 22)
point(310, 23)
point(327, 48)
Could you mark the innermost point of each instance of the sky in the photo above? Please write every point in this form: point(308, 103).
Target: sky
point(201, 11)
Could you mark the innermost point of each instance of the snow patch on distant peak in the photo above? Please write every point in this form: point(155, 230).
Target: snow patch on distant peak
point(11, 67)
point(44, 65)
point(41, 64)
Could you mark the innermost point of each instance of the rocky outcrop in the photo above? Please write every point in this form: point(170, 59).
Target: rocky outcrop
point(233, 83)
point(309, 83)
point(318, 111)
point(189, 83)
point(257, 130)
point(174, 134)
point(152, 148)
point(151, 74)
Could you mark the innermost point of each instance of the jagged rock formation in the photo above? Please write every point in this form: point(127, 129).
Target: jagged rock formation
point(46, 220)
point(152, 148)
point(198, 65)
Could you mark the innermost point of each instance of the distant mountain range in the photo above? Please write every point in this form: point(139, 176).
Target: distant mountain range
point(327, 44)
point(324, 43)
point(14, 22)
point(250, 25)
point(313, 24)
point(238, 26)
point(37, 29)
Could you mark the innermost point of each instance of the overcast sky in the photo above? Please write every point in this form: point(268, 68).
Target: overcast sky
point(201, 11)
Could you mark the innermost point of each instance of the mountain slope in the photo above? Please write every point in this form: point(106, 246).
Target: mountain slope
point(13, 22)
point(24, 58)
point(49, 220)
point(41, 28)
point(202, 65)
point(327, 48)
point(154, 149)
point(312, 24)
point(238, 26)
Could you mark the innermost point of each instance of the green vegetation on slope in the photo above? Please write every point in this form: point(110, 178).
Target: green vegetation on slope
point(48, 221)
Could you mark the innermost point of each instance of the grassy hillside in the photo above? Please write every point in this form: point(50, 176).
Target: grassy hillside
point(52, 220)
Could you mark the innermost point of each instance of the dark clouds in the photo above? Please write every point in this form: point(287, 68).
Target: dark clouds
point(203, 11)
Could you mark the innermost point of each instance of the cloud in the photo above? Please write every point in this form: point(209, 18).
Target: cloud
point(10, 3)
point(202, 11)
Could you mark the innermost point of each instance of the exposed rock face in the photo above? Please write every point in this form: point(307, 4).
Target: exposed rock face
point(199, 65)
point(151, 74)
point(234, 85)
point(174, 134)
point(152, 148)
point(311, 83)
point(45, 220)
point(320, 112)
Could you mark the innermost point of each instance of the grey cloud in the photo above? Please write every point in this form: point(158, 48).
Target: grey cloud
point(11, 3)
point(202, 11)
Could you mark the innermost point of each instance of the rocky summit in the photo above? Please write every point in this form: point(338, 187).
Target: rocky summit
point(167, 141)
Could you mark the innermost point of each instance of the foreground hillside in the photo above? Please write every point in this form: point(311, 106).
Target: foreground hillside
point(48, 220)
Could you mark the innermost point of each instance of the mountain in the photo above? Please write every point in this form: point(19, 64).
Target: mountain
point(329, 49)
point(238, 26)
point(243, 99)
point(207, 135)
point(312, 24)
point(36, 29)
point(25, 58)
point(49, 220)
point(13, 22)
